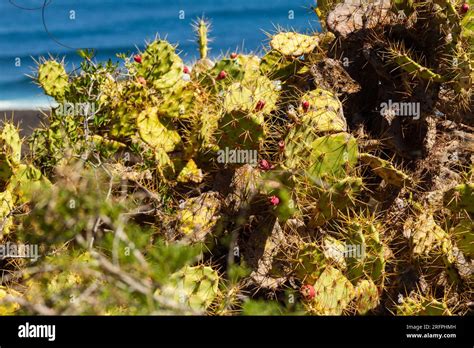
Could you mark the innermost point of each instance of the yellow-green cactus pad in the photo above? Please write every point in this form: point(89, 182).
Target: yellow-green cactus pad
point(190, 173)
point(460, 197)
point(422, 307)
point(463, 234)
point(10, 143)
point(333, 156)
point(428, 239)
point(366, 296)
point(333, 293)
point(324, 113)
point(192, 287)
point(294, 44)
point(53, 79)
point(160, 65)
point(6, 206)
point(310, 263)
point(198, 216)
point(386, 170)
point(157, 133)
point(8, 308)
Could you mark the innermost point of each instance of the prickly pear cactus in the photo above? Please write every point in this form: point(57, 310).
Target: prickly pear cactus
point(332, 156)
point(10, 143)
point(321, 110)
point(53, 79)
point(6, 206)
point(8, 308)
point(310, 263)
point(160, 65)
point(195, 287)
point(366, 256)
point(334, 199)
point(190, 173)
point(460, 198)
point(428, 239)
point(333, 293)
point(386, 170)
point(198, 216)
point(277, 66)
point(366, 296)
point(463, 235)
point(294, 44)
point(419, 305)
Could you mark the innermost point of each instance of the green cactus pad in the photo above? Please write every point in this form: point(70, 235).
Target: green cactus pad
point(197, 216)
point(294, 44)
point(241, 130)
point(190, 173)
point(420, 306)
point(309, 263)
point(178, 102)
point(386, 170)
point(53, 79)
point(160, 65)
point(324, 113)
point(332, 156)
point(233, 70)
point(157, 133)
point(460, 198)
point(10, 143)
point(366, 296)
point(366, 252)
point(428, 239)
point(194, 287)
point(6, 206)
point(408, 64)
point(25, 180)
point(276, 66)
point(8, 308)
point(463, 234)
point(338, 197)
point(333, 293)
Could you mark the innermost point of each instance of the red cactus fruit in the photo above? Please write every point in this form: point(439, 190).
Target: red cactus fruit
point(260, 105)
point(264, 165)
point(138, 59)
point(186, 70)
point(464, 7)
point(222, 75)
point(305, 106)
point(274, 200)
point(234, 55)
point(308, 292)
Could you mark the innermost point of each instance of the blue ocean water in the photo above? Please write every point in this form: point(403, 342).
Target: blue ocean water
point(29, 30)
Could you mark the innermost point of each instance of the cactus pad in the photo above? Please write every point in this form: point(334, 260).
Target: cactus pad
point(160, 65)
point(366, 296)
point(53, 79)
point(294, 44)
point(198, 216)
point(386, 170)
point(195, 287)
point(460, 198)
point(333, 293)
